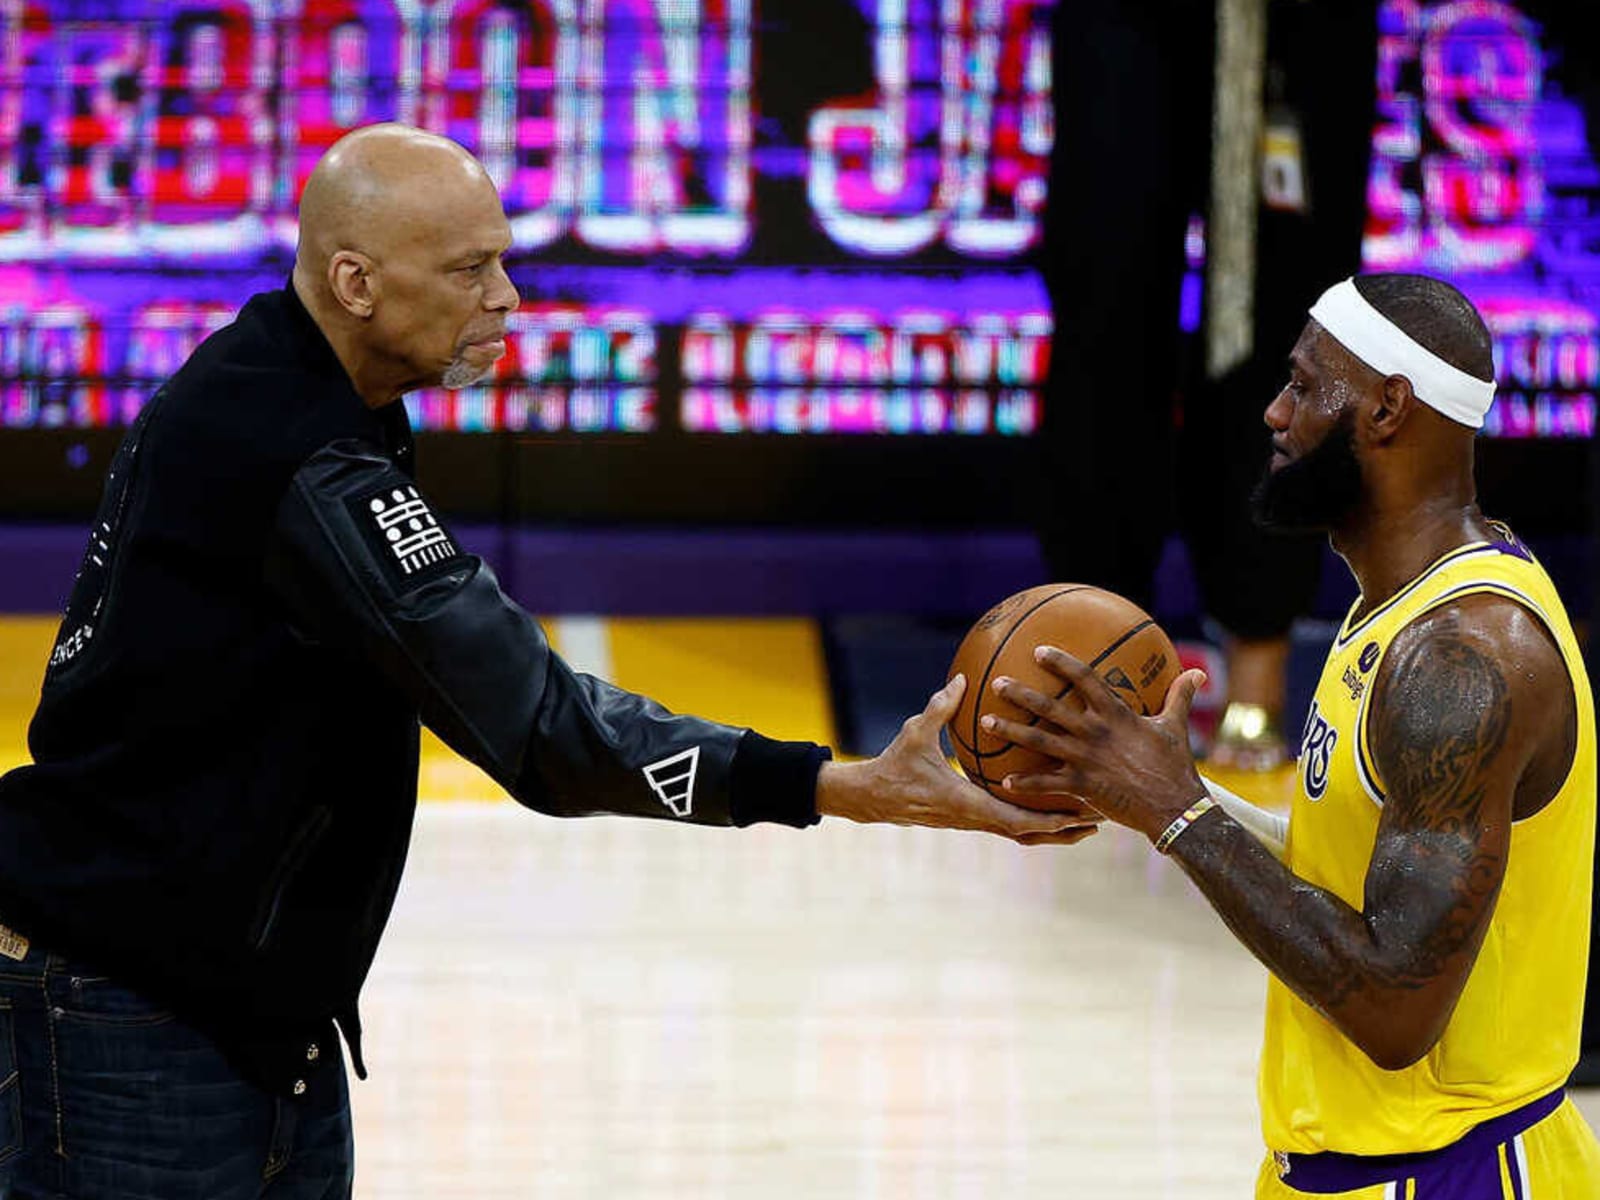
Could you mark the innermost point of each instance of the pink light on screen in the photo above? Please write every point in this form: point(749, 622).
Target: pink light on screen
point(1457, 179)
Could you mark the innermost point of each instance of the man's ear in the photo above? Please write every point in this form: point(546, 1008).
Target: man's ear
point(1396, 402)
point(351, 279)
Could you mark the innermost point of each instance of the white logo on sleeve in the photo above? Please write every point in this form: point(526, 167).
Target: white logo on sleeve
point(413, 534)
point(672, 779)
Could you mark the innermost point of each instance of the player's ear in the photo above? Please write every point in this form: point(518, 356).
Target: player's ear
point(351, 279)
point(1394, 403)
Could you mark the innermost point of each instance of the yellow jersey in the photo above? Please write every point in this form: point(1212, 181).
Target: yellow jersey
point(1515, 1030)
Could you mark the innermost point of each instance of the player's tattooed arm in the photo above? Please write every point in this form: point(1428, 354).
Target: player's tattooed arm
point(1455, 723)
point(1471, 723)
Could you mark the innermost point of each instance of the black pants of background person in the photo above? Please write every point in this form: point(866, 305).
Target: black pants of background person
point(1136, 444)
point(1130, 162)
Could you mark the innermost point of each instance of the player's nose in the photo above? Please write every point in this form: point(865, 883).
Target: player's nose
point(1279, 411)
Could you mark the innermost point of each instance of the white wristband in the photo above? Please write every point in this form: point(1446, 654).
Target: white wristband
point(1189, 816)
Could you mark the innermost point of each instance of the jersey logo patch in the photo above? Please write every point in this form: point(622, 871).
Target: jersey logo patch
point(672, 780)
point(1369, 657)
point(1316, 752)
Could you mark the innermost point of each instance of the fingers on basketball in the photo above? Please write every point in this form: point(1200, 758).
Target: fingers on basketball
point(1113, 637)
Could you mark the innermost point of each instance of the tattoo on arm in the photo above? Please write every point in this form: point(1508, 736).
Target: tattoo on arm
point(1439, 730)
point(1440, 722)
point(1440, 718)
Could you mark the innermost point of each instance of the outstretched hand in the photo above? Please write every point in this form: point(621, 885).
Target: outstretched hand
point(1136, 770)
point(911, 783)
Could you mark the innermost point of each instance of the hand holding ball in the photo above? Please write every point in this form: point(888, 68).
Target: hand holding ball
point(1117, 640)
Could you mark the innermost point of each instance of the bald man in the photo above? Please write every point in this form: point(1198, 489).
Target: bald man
point(196, 870)
point(1427, 927)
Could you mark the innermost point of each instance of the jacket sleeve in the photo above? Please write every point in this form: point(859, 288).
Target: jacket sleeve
point(362, 563)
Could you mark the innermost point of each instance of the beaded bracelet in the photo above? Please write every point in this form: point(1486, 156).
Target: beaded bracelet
point(1190, 815)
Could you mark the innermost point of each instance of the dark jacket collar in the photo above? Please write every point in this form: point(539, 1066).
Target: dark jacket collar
point(312, 343)
point(318, 357)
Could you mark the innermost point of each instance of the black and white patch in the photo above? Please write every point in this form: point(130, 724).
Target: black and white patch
point(405, 535)
point(672, 780)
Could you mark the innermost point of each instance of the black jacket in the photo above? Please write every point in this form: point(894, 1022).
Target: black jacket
point(225, 751)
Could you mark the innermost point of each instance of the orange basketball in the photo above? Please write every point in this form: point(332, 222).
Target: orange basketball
point(1116, 638)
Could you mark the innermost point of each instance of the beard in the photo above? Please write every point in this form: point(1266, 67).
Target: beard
point(1315, 492)
point(462, 374)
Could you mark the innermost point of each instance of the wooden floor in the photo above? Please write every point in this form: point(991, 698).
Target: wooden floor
point(614, 1008)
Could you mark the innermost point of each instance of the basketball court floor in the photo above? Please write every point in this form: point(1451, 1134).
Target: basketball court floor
point(619, 1009)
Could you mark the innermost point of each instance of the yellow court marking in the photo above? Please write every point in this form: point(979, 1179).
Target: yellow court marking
point(444, 775)
point(764, 673)
point(24, 649)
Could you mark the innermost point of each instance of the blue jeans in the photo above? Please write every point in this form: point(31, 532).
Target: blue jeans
point(104, 1096)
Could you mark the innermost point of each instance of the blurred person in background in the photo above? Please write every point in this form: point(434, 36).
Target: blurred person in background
point(1132, 412)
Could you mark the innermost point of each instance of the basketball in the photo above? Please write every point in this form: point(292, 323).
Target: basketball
point(1116, 638)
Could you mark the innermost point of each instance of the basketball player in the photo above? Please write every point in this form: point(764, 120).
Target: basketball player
point(195, 873)
point(1427, 929)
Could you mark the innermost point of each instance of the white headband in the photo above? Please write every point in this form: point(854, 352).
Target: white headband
point(1389, 350)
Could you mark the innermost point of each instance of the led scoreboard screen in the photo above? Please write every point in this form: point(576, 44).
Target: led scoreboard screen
point(707, 237)
point(803, 223)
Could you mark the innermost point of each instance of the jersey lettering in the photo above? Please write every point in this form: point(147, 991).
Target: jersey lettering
point(1316, 752)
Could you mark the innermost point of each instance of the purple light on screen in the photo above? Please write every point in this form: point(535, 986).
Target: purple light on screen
point(1481, 175)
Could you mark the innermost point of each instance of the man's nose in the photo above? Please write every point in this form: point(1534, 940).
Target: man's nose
point(502, 295)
